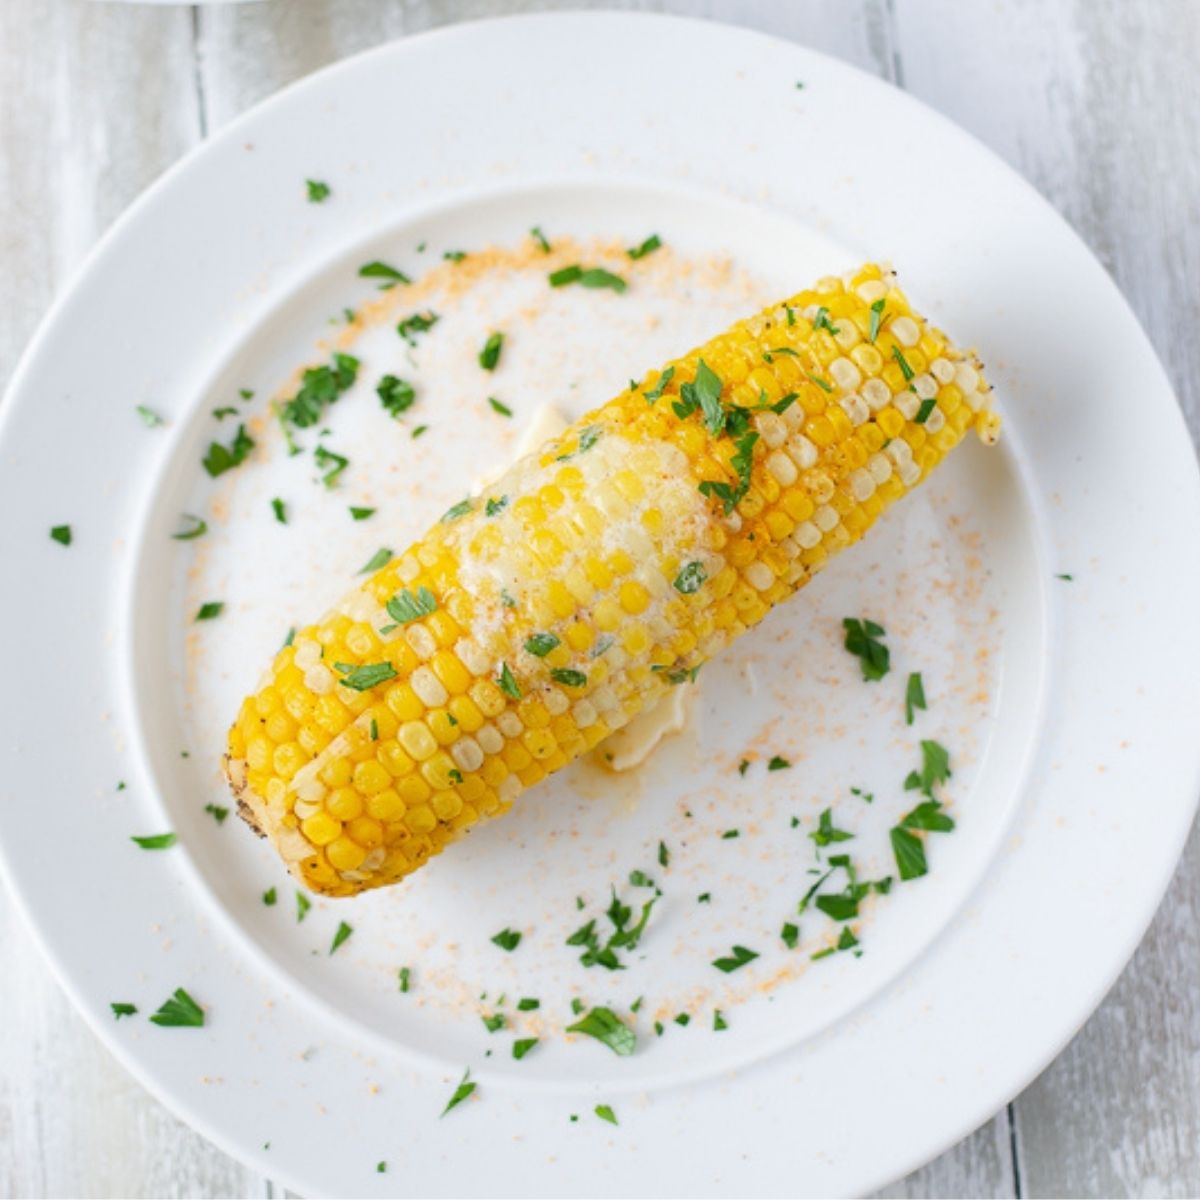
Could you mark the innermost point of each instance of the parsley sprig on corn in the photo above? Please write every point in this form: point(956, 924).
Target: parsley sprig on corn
point(597, 573)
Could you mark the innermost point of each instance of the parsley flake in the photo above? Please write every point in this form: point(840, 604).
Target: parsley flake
point(220, 459)
point(382, 270)
point(395, 395)
point(652, 243)
point(365, 676)
point(210, 610)
point(605, 1026)
point(914, 696)
point(380, 558)
point(179, 1010)
point(738, 957)
point(522, 1047)
point(120, 1009)
point(156, 841)
point(498, 407)
point(197, 528)
point(507, 939)
point(408, 606)
point(465, 1089)
point(318, 192)
point(343, 932)
point(540, 644)
point(507, 683)
point(489, 356)
point(691, 578)
point(862, 640)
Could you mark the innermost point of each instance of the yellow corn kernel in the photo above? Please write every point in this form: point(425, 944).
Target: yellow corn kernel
point(320, 828)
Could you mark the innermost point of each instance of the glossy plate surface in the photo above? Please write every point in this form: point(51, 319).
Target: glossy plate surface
point(1057, 698)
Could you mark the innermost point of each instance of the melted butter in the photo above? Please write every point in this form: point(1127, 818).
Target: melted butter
point(630, 746)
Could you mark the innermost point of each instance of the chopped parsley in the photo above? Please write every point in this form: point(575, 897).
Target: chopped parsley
point(730, 833)
point(605, 1026)
point(120, 1009)
point(420, 429)
point(417, 324)
point(343, 932)
point(457, 511)
point(156, 841)
point(220, 459)
point(826, 833)
point(404, 979)
point(217, 812)
point(1065, 578)
point(683, 1020)
point(318, 192)
point(280, 510)
point(821, 321)
point(528, 1004)
point(210, 610)
point(494, 507)
point(396, 395)
point(743, 766)
point(494, 1023)
point(522, 1047)
point(664, 856)
point(690, 578)
point(507, 939)
point(590, 277)
point(540, 644)
point(179, 1010)
point(927, 406)
point(914, 696)
point(704, 898)
point(790, 934)
point(499, 407)
point(465, 1089)
point(781, 406)
point(905, 369)
point(382, 270)
point(303, 904)
point(489, 356)
point(742, 462)
point(380, 558)
point(151, 419)
point(605, 1113)
point(454, 256)
point(876, 320)
point(738, 957)
point(408, 606)
point(539, 237)
point(778, 764)
point(862, 640)
point(624, 936)
point(336, 463)
point(507, 684)
point(319, 388)
point(219, 413)
point(197, 528)
point(360, 514)
point(365, 676)
point(652, 243)
point(568, 677)
point(660, 387)
point(935, 768)
point(269, 897)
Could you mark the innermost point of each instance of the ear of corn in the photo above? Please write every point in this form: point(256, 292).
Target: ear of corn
point(531, 622)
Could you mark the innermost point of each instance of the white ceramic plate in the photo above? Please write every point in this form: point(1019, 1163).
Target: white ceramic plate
point(1059, 700)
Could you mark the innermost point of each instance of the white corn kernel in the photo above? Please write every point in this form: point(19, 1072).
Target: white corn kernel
point(510, 724)
point(490, 739)
point(966, 377)
point(876, 393)
point(509, 789)
point(584, 714)
point(936, 421)
point(319, 680)
point(855, 407)
point(467, 753)
point(771, 429)
point(880, 468)
point(782, 469)
point(862, 485)
point(909, 473)
point(899, 451)
point(429, 688)
point(942, 369)
point(421, 640)
point(604, 699)
point(908, 404)
point(759, 576)
point(307, 653)
point(472, 657)
point(905, 331)
point(871, 290)
point(924, 385)
point(825, 518)
point(802, 451)
point(408, 568)
point(845, 374)
point(556, 702)
point(847, 335)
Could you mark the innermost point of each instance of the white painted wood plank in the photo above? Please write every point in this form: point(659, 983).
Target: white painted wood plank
point(95, 101)
point(1096, 103)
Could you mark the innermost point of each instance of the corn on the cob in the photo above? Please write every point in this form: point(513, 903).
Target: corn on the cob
point(530, 623)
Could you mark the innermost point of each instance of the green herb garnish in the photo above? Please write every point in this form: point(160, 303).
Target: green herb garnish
point(738, 957)
point(862, 640)
point(905, 369)
point(396, 395)
point(540, 644)
point(455, 511)
point(180, 1010)
point(876, 320)
point(343, 932)
point(120, 1009)
point(360, 514)
point(318, 192)
point(150, 418)
point(210, 610)
point(914, 697)
point(568, 678)
point(156, 841)
point(605, 1026)
point(198, 528)
point(465, 1088)
point(652, 243)
point(365, 676)
point(507, 939)
point(220, 459)
point(790, 934)
point(498, 407)
point(408, 606)
point(380, 558)
point(217, 812)
point(539, 237)
point(508, 685)
point(690, 578)
point(778, 764)
point(417, 324)
point(489, 356)
point(605, 1113)
point(522, 1047)
point(303, 904)
point(382, 270)
point(825, 833)
point(269, 897)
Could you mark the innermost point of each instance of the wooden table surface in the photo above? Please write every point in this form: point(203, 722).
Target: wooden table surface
point(1096, 102)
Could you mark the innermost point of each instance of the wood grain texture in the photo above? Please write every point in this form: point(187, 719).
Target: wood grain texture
point(1094, 101)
